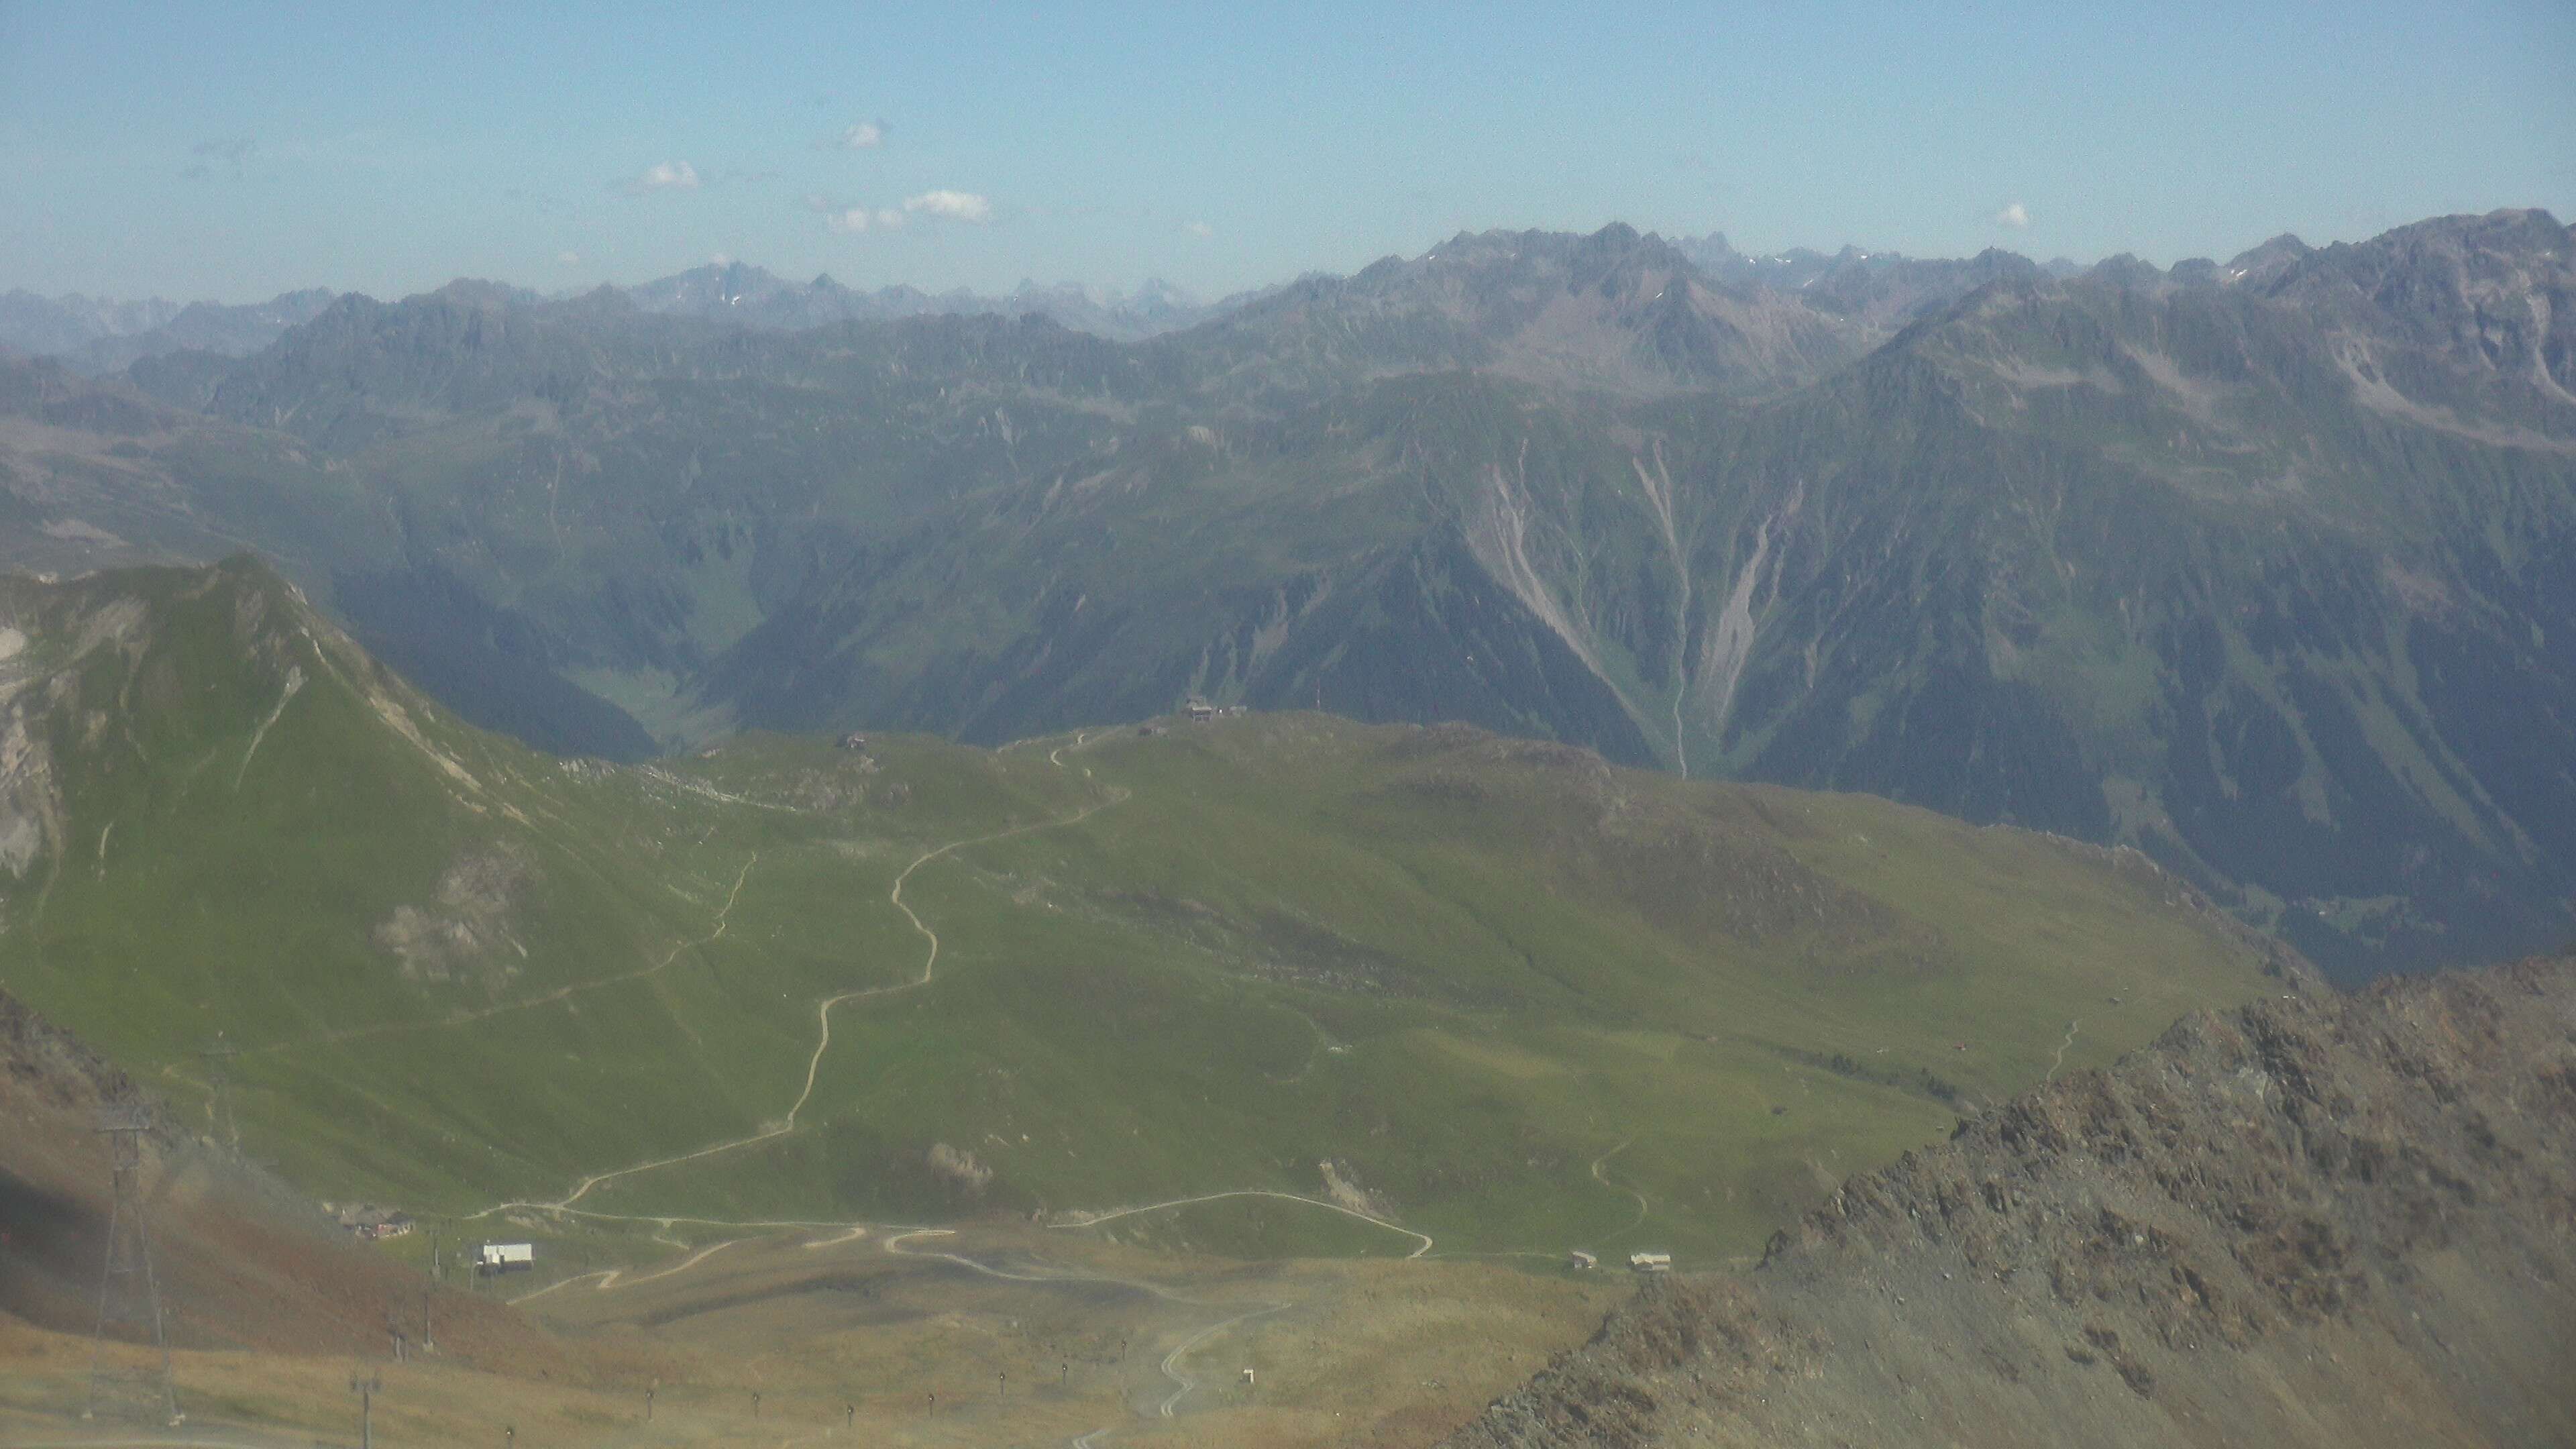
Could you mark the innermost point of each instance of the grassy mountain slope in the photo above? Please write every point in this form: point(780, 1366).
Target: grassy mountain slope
point(1513, 997)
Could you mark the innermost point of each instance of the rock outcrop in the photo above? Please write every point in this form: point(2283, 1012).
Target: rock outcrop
point(2319, 1220)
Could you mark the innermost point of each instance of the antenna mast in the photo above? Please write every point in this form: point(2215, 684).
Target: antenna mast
point(129, 1295)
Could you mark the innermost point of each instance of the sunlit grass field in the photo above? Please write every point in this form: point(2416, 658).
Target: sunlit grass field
point(1491, 991)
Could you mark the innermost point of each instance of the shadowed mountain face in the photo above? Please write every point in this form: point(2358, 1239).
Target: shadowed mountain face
point(2267, 568)
point(2316, 1221)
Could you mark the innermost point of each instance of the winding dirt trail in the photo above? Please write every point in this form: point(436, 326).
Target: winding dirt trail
point(823, 1017)
point(1093, 1220)
point(1055, 756)
point(1173, 1365)
point(2058, 1058)
point(930, 962)
point(1643, 1207)
point(616, 1277)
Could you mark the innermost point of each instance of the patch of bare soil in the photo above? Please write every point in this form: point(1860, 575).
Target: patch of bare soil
point(463, 932)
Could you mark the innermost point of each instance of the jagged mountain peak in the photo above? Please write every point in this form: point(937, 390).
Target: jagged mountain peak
point(603, 300)
point(2260, 266)
point(1890, 290)
point(2490, 296)
point(483, 295)
point(1613, 242)
point(740, 294)
point(2516, 247)
point(717, 284)
point(1617, 310)
point(2127, 269)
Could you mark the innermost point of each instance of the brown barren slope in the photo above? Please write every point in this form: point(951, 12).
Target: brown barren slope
point(2323, 1220)
point(243, 1262)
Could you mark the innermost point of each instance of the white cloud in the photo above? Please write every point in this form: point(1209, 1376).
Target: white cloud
point(952, 206)
point(2015, 216)
point(1198, 228)
point(720, 259)
point(866, 135)
point(665, 176)
point(853, 219)
point(569, 259)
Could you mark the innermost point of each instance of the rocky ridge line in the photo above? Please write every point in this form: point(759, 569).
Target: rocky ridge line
point(2319, 1220)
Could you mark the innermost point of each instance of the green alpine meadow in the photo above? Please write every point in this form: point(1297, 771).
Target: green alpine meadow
point(1446, 985)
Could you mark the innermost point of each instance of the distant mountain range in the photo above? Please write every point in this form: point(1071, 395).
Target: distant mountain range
point(756, 298)
point(98, 335)
point(2266, 567)
point(95, 335)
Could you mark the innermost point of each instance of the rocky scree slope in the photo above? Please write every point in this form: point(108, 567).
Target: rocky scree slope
point(2318, 1220)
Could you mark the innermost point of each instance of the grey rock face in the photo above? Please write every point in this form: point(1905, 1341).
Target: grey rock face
point(2321, 1220)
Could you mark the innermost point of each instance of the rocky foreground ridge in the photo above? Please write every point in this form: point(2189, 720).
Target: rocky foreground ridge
point(2319, 1220)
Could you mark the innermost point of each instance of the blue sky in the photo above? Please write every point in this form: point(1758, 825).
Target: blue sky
point(233, 151)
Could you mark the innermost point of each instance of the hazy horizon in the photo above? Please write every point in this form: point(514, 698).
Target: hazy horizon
point(1132, 289)
point(238, 155)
